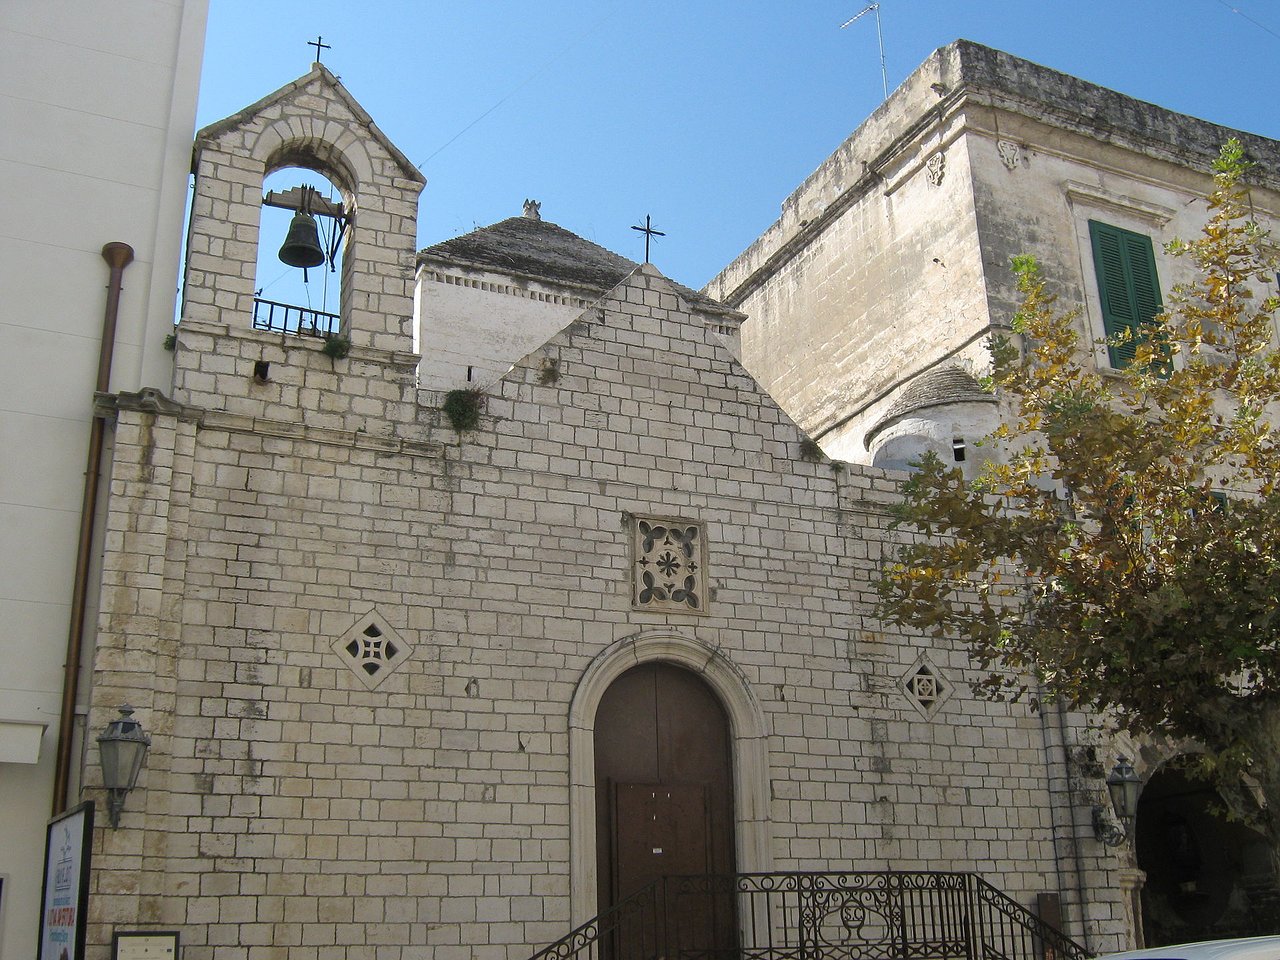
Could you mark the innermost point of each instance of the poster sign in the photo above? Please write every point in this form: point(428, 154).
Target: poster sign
point(65, 900)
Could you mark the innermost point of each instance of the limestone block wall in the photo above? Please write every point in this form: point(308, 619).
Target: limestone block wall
point(296, 805)
point(890, 287)
point(290, 379)
point(312, 122)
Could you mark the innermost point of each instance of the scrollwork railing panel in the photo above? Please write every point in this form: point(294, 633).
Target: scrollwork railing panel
point(865, 915)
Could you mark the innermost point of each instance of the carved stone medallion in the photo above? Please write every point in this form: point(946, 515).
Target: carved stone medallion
point(1010, 153)
point(669, 570)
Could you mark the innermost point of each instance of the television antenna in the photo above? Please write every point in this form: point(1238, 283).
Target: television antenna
point(875, 9)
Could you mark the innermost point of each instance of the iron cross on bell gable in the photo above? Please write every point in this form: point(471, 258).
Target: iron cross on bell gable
point(319, 45)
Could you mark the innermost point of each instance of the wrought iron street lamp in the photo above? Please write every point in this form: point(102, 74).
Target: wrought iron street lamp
point(122, 747)
point(1124, 785)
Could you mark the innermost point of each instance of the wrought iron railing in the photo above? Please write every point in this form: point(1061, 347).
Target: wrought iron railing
point(1010, 930)
point(629, 929)
point(889, 915)
point(299, 321)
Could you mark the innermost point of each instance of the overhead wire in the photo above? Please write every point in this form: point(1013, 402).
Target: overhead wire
point(1240, 13)
point(526, 81)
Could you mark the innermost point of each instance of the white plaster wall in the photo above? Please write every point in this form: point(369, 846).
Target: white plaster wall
point(97, 104)
point(936, 429)
point(472, 320)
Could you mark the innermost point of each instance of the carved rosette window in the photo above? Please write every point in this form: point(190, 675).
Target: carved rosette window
point(372, 650)
point(669, 569)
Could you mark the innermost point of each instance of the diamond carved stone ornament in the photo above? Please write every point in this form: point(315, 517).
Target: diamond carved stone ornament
point(669, 570)
point(925, 687)
point(372, 650)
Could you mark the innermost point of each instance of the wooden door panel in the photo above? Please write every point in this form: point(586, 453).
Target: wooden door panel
point(664, 796)
point(660, 830)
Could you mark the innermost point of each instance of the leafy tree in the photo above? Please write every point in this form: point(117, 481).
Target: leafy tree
point(1123, 552)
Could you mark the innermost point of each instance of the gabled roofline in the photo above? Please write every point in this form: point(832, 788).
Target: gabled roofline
point(319, 71)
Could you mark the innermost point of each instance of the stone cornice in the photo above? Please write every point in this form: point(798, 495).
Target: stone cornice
point(151, 400)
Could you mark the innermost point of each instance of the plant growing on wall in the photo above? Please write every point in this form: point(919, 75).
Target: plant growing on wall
point(463, 408)
point(336, 346)
point(1125, 555)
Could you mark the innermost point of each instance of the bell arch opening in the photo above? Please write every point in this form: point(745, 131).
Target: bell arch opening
point(300, 265)
point(314, 127)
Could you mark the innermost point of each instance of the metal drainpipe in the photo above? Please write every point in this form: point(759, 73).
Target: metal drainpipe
point(1086, 937)
point(118, 256)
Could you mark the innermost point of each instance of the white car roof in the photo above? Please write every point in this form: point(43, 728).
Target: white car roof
point(1249, 948)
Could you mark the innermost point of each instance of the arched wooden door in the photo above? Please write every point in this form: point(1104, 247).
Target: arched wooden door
point(664, 795)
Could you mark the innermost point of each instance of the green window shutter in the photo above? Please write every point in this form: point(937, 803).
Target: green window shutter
point(1127, 283)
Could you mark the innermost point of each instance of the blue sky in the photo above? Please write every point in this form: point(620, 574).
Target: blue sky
point(704, 114)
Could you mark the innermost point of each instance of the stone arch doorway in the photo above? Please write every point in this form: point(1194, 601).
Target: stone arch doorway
point(664, 789)
point(748, 750)
point(1206, 878)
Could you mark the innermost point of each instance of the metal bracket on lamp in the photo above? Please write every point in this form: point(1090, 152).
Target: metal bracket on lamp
point(1107, 828)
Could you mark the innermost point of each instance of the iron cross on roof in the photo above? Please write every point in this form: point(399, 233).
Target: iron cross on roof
point(319, 45)
point(649, 233)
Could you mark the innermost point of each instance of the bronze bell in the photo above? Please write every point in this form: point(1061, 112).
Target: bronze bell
point(301, 247)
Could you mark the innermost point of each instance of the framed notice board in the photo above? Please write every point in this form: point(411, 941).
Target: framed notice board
point(64, 901)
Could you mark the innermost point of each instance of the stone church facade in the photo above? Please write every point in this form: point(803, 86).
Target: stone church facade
point(404, 678)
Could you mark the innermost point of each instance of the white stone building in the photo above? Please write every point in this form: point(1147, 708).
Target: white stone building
point(870, 300)
point(98, 102)
point(424, 692)
point(417, 691)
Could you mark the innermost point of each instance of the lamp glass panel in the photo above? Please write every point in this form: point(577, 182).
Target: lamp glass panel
point(121, 762)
